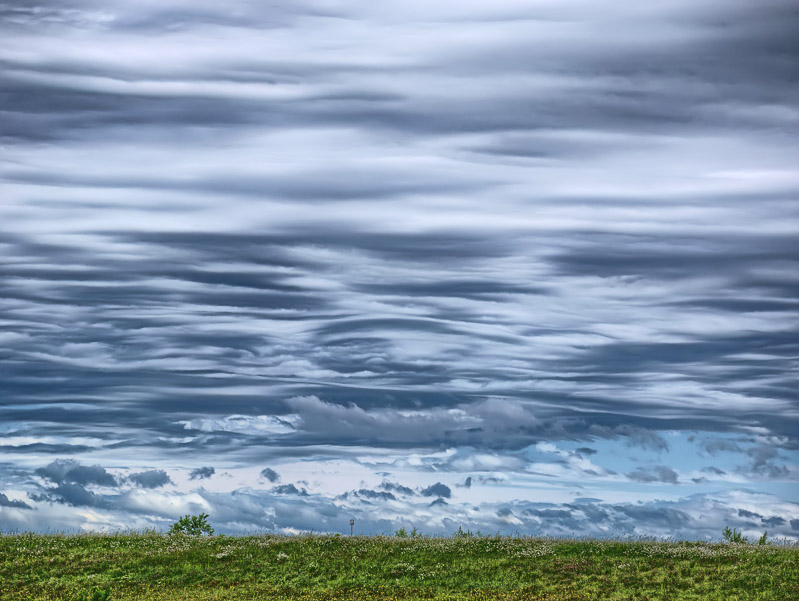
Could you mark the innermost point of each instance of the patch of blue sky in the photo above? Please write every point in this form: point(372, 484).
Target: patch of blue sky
point(684, 453)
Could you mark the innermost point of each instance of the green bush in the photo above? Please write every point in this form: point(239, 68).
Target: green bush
point(734, 535)
point(461, 533)
point(402, 533)
point(193, 525)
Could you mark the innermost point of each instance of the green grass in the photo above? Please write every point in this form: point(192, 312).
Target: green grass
point(151, 566)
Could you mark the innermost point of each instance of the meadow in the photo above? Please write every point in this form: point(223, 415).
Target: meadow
point(151, 565)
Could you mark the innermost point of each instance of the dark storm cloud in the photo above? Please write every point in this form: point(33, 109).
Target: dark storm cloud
point(150, 478)
point(201, 473)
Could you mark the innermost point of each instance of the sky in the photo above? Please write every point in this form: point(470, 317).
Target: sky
point(516, 267)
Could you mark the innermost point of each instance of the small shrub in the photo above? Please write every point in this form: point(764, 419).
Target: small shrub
point(734, 535)
point(193, 525)
point(461, 533)
point(401, 533)
point(762, 539)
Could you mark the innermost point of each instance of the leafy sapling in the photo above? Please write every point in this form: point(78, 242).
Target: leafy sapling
point(193, 525)
point(734, 535)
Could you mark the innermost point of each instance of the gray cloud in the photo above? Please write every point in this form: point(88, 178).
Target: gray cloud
point(270, 474)
point(437, 490)
point(150, 478)
point(6, 502)
point(70, 471)
point(201, 473)
point(665, 516)
point(365, 493)
point(70, 493)
point(397, 488)
point(289, 489)
point(762, 462)
point(715, 446)
point(658, 473)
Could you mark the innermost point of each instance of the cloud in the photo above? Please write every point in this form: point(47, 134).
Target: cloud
point(658, 473)
point(365, 493)
point(397, 488)
point(762, 462)
point(201, 473)
point(70, 471)
point(289, 489)
point(550, 513)
point(270, 474)
point(259, 424)
point(659, 516)
point(6, 502)
point(437, 490)
point(70, 493)
point(715, 446)
point(243, 510)
point(150, 478)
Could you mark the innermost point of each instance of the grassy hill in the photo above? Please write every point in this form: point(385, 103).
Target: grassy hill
point(151, 566)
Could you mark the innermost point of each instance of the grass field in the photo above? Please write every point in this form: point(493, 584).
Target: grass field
point(153, 566)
